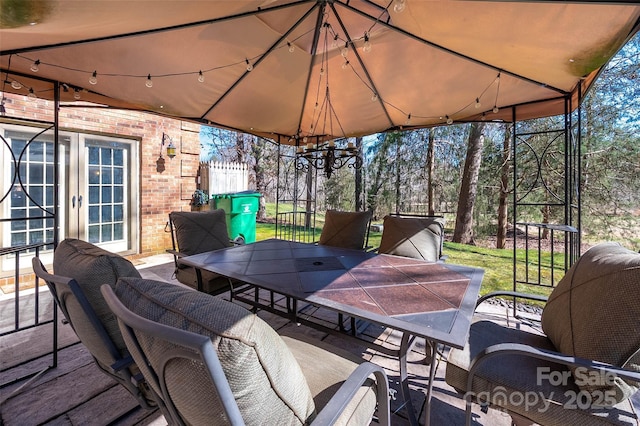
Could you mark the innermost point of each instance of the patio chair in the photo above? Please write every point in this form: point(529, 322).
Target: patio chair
point(215, 362)
point(346, 229)
point(82, 304)
point(585, 366)
point(194, 233)
point(418, 237)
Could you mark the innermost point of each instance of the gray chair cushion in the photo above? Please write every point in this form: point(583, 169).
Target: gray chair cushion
point(259, 367)
point(345, 229)
point(594, 311)
point(337, 365)
point(415, 237)
point(198, 232)
point(517, 383)
point(91, 267)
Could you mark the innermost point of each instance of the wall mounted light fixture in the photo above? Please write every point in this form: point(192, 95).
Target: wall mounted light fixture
point(171, 148)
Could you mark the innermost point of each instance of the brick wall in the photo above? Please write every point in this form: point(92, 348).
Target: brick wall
point(158, 192)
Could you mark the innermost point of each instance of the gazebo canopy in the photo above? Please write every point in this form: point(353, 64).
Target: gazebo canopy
point(326, 68)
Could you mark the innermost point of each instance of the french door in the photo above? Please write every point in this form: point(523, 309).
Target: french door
point(97, 200)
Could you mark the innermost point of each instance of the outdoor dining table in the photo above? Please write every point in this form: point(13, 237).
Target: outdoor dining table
point(434, 301)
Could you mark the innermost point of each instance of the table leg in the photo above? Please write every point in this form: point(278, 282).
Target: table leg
point(405, 346)
point(432, 375)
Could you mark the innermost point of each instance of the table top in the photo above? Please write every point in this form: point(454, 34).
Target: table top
point(431, 300)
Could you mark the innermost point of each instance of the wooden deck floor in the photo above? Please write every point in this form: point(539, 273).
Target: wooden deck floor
point(76, 392)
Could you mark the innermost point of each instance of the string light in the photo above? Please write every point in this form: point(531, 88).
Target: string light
point(495, 104)
point(367, 44)
point(399, 6)
point(32, 94)
point(345, 50)
point(408, 120)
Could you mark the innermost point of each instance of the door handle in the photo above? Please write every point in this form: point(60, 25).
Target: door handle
point(73, 202)
point(79, 201)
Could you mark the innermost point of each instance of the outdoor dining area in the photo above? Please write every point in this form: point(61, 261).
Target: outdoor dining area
point(171, 320)
point(323, 334)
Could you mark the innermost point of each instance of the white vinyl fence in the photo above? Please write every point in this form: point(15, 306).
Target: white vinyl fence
point(224, 177)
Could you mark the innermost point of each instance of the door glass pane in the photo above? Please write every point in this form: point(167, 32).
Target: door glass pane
point(32, 194)
point(107, 181)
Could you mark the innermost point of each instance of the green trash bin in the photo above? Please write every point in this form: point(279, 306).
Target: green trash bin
point(240, 209)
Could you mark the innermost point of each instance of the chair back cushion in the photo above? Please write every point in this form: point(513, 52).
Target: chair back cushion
point(345, 229)
point(593, 313)
point(415, 237)
point(198, 232)
point(267, 382)
point(91, 267)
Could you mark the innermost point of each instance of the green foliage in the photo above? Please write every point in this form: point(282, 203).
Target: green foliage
point(199, 198)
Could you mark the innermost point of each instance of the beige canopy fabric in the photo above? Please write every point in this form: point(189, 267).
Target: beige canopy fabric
point(326, 68)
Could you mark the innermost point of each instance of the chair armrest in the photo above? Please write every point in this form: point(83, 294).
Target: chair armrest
point(513, 294)
point(176, 253)
point(336, 405)
point(547, 355)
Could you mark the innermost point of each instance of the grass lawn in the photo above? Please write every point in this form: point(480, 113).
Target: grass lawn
point(497, 264)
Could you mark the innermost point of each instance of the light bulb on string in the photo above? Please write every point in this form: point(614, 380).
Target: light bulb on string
point(367, 44)
point(35, 66)
point(149, 82)
point(16, 85)
point(345, 65)
point(399, 6)
point(374, 97)
point(200, 77)
point(335, 42)
point(321, 71)
point(449, 120)
point(495, 109)
point(292, 48)
point(408, 121)
point(249, 66)
point(76, 94)
point(94, 78)
point(345, 50)
point(478, 104)
point(32, 94)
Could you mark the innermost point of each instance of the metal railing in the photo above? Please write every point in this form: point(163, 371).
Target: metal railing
point(29, 315)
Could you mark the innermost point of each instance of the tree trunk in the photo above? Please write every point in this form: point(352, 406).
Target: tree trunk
point(358, 194)
point(397, 184)
point(257, 147)
point(463, 232)
point(501, 237)
point(309, 207)
point(430, 164)
point(240, 147)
